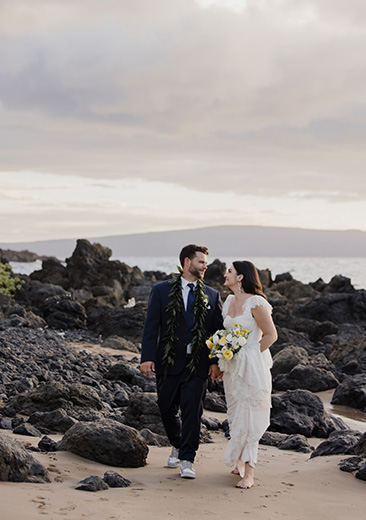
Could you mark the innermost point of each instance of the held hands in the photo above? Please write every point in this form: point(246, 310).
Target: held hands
point(147, 367)
point(215, 373)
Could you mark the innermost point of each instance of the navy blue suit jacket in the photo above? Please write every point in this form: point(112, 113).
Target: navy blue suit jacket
point(155, 327)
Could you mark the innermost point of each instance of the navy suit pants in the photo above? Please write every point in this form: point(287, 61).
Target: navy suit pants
point(175, 395)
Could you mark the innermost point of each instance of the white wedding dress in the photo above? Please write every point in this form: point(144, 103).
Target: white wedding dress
point(247, 383)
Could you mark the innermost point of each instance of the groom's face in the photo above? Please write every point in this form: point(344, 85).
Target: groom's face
point(198, 265)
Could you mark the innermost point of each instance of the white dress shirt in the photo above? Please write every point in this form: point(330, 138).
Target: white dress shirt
point(185, 291)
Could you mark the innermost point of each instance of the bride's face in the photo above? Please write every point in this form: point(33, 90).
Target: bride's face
point(231, 277)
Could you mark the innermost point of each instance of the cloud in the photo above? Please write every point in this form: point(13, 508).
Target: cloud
point(267, 100)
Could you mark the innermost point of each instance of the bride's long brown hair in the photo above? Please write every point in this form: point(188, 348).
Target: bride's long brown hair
point(250, 282)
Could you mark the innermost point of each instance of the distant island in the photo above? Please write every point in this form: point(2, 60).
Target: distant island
point(253, 241)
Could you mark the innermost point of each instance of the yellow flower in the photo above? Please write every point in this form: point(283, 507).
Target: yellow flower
point(245, 331)
point(236, 324)
point(209, 343)
point(210, 356)
point(222, 341)
point(228, 354)
point(237, 332)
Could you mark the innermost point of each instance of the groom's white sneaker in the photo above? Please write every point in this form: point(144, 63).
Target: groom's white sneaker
point(187, 470)
point(173, 461)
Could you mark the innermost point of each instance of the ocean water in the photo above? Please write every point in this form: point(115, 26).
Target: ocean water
point(304, 269)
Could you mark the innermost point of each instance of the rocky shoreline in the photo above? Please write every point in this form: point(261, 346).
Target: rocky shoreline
point(52, 381)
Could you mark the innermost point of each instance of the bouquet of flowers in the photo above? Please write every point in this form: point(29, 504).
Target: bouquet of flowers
point(225, 344)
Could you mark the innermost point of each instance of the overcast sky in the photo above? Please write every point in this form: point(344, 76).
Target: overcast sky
point(125, 116)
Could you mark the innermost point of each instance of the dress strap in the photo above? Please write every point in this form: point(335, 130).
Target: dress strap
point(257, 301)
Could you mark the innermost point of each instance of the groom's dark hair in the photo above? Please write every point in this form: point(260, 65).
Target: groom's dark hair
point(190, 251)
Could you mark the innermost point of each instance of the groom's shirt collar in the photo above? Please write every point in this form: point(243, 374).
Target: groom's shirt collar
point(186, 282)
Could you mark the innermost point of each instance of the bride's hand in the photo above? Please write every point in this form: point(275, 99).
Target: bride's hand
point(215, 373)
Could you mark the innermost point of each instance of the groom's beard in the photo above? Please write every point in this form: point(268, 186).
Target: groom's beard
point(197, 272)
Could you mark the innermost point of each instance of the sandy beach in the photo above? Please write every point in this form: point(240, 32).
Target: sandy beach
point(287, 485)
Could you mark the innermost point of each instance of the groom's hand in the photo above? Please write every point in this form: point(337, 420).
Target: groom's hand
point(147, 367)
point(215, 373)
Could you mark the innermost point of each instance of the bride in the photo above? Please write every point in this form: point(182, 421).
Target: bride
point(247, 377)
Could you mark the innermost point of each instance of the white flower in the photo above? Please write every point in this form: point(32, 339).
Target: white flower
point(225, 344)
point(236, 347)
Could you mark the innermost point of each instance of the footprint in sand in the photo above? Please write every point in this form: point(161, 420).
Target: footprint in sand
point(52, 457)
point(53, 468)
point(41, 501)
point(65, 510)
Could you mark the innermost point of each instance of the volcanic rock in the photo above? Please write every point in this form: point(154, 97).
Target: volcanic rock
point(92, 483)
point(117, 321)
point(350, 464)
point(143, 412)
point(74, 398)
point(215, 403)
point(360, 447)
point(114, 479)
point(300, 411)
point(352, 392)
point(108, 442)
point(130, 375)
point(8, 255)
point(27, 429)
point(349, 350)
point(337, 307)
point(306, 377)
point(154, 439)
point(211, 423)
point(361, 473)
point(272, 438)
point(339, 442)
point(290, 356)
point(52, 272)
point(47, 444)
point(295, 442)
point(215, 273)
point(56, 421)
point(61, 312)
point(293, 290)
point(18, 465)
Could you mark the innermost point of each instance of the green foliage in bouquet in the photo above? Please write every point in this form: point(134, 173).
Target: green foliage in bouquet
point(8, 283)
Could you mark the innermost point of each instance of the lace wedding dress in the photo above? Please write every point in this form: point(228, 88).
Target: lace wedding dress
point(247, 383)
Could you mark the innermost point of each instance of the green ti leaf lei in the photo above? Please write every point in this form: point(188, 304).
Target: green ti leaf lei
point(174, 309)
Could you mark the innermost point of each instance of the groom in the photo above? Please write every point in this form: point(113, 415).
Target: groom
point(182, 313)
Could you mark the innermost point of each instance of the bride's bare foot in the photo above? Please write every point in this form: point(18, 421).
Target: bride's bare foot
point(245, 483)
point(248, 480)
point(235, 471)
